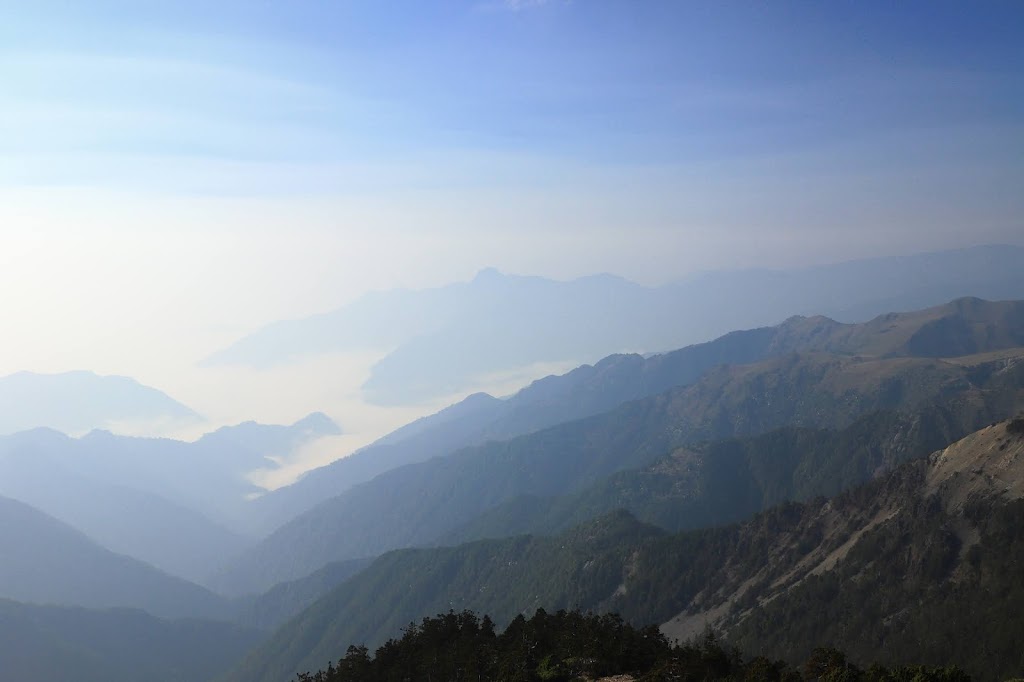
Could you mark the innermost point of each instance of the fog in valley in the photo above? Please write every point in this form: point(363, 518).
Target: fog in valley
point(322, 318)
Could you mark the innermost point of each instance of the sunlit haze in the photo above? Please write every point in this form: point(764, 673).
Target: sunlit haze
point(175, 177)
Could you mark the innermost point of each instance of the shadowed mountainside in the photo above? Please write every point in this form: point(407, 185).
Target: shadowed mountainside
point(961, 327)
point(917, 550)
point(419, 504)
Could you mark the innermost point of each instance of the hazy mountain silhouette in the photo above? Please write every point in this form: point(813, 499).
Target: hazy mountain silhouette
point(76, 402)
point(141, 524)
point(65, 644)
point(447, 338)
point(48, 562)
point(178, 505)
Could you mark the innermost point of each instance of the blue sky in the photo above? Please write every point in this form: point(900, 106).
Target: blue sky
point(349, 90)
point(176, 174)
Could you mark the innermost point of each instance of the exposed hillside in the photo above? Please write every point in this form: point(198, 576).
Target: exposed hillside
point(61, 644)
point(917, 564)
point(445, 338)
point(895, 571)
point(48, 562)
point(960, 327)
point(421, 503)
point(76, 402)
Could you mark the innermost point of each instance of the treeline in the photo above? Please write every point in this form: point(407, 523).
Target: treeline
point(569, 645)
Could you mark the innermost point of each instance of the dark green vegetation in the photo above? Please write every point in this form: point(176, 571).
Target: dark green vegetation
point(55, 564)
point(725, 481)
point(280, 603)
point(500, 577)
point(62, 644)
point(421, 504)
point(567, 646)
point(849, 573)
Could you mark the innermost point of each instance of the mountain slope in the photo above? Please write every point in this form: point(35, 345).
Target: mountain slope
point(208, 477)
point(445, 338)
point(48, 562)
point(502, 578)
point(187, 544)
point(726, 481)
point(76, 402)
point(61, 644)
point(904, 569)
point(284, 601)
point(915, 565)
point(964, 325)
point(420, 503)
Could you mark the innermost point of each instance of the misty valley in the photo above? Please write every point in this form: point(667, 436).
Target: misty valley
point(814, 495)
point(511, 341)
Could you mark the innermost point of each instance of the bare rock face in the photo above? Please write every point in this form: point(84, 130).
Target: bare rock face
point(988, 463)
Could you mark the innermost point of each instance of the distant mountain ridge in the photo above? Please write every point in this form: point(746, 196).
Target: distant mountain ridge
point(446, 338)
point(180, 506)
point(76, 402)
point(618, 379)
point(48, 562)
point(419, 504)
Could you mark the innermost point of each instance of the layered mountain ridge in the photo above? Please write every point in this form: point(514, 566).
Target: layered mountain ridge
point(935, 529)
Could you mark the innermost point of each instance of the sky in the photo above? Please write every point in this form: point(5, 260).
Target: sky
point(174, 175)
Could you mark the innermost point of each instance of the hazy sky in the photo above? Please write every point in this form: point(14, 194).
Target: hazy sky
point(176, 174)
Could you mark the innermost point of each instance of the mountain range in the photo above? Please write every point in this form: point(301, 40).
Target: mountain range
point(927, 548)
point(421, 503)
point(177, 505)
point(49, 562)
point(951, 329)
point(439, 341)
point(80, 401)
point(812, 483)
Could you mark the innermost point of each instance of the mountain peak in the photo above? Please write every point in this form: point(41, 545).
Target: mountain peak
point(488, 274)
point(319, 423)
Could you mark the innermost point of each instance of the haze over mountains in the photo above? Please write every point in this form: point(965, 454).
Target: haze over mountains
point(77, 402)
point(594, 489)
point(51, 563)
point(511, 341)
point(439, 341)
point(870, 367)
point(180, 506)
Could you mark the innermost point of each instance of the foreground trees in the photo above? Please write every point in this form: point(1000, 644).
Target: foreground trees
point(569, 645)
